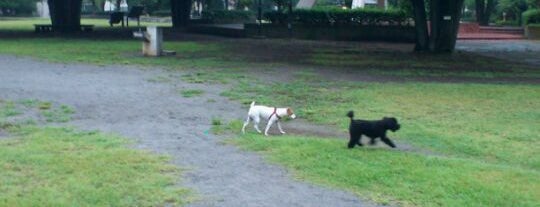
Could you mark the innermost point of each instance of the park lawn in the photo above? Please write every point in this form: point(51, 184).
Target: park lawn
point(482, 139)
point(228, 59)
point(489, 122)
point(109, 52)
point(27, 24)
point(397, 177)
point(46, 166)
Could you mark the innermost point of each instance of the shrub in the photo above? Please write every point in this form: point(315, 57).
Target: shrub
point(162, 13)
point(223, 16)
point(276, 17)
point(531, 16)
point(337, 16)
point(507, 23)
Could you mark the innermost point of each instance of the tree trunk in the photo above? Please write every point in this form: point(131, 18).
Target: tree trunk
point(180, 11)
point(65, 15)
point(484, 9)
point(445, 17)
point(420, 23)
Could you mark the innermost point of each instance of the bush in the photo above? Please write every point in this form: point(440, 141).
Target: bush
point(162, 13)
point(276, 17)
point(531, 16)
point(337, 16)
point(507, 23)
point(223, 16)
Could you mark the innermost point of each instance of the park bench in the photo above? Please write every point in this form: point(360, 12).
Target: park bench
point(41, 28)
point(134, 13)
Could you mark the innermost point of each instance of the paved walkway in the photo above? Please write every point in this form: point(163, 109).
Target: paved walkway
point(527, 51)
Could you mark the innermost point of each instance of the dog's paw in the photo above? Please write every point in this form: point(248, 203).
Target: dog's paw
point(283, 133)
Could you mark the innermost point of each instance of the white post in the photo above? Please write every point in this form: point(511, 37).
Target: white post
point(153, 46)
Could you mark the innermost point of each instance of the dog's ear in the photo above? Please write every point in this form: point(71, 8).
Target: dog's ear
point(289, 111)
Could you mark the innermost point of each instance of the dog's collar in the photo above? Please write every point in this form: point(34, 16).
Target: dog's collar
point(274, 113)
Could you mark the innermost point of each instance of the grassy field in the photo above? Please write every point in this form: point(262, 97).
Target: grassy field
point(482, 141)
point(477, 143)
point(66, 167)
point(394, 177)
point(27, 24)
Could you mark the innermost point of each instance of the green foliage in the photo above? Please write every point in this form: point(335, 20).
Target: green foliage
point(149, 5)
point(228, 16)
point(162, 13)
point(512, 8)
point(531, 16)
point(17, 7)
point(337, 16)
point(214, 5)
point(242, 4)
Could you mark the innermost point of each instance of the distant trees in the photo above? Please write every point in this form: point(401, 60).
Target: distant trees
point(17, 7)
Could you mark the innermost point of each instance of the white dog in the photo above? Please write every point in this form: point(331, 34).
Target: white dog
point(272, 114)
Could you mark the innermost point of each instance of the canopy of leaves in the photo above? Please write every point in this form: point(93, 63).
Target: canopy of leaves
point(17, 7)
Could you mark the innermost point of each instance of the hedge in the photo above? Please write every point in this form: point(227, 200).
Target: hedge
point(339, 16)
point(531, 16)
point(231, 16)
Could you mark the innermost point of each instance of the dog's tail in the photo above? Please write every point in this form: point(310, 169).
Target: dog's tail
point(252, 104)
point(351, 115)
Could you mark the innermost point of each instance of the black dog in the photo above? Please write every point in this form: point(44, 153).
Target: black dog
point(372, 129)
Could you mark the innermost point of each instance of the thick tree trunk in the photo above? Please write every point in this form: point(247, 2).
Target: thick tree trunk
point(180, 11)
point(445, 24)
point(444, 19)
point(65, 15)
point(420, 23)
point(484, 9)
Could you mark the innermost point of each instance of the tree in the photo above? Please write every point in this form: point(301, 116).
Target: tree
point(444, 16)
point(65, 15)
point(514, 8)
point(484, 9)
point(180, 10)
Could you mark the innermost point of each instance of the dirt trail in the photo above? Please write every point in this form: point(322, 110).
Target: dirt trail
point(121, 100)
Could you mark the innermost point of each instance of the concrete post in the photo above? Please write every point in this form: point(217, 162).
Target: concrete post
point(153, 45)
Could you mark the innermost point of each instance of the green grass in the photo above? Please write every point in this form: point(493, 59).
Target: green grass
point(66, 167)
point(396, 177)
point(109, 52)
point(486, 137)
point(27, 24)
point(7, 109)
point(59, 114)
point(495, 123)
point(189, 93)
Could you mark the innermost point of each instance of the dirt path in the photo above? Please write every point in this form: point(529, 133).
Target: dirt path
point(121, 100)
